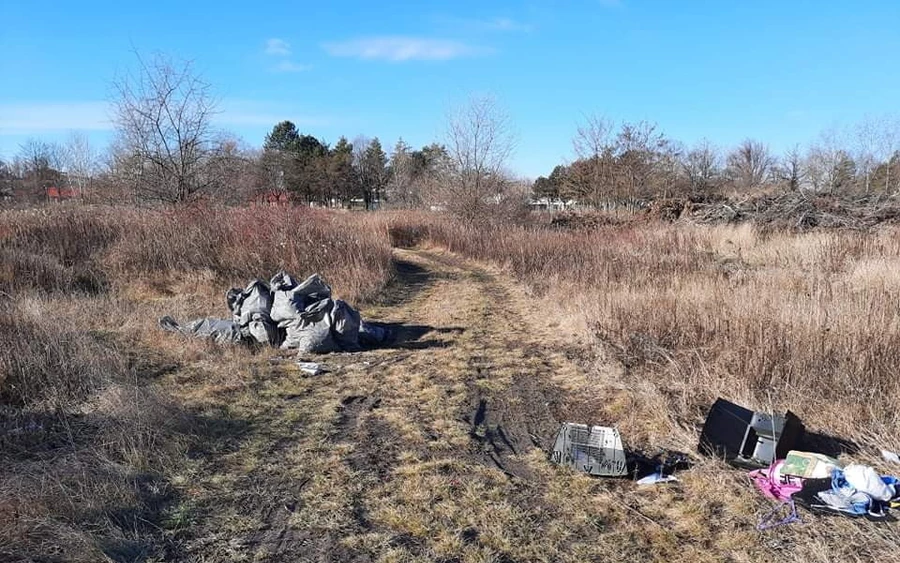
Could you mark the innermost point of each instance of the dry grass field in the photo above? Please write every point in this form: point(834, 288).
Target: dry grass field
point(124, 443)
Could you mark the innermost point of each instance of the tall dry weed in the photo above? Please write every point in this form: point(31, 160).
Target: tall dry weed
point(87, 438)
point(805, 321)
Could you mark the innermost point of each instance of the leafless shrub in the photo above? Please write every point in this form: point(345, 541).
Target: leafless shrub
point(166, 145)
point(476, 186)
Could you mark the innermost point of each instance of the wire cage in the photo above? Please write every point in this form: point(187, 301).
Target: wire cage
point(596, 450)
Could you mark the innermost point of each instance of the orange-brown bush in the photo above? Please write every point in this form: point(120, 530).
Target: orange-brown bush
point(71, 249)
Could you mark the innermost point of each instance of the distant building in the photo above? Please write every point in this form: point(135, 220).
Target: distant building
point(62, 194)
point(551, 204)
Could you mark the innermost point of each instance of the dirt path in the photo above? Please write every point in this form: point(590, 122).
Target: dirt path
point(432, 448)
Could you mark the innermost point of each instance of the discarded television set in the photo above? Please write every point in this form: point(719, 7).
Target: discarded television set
point(596, 450)
point(747, 438)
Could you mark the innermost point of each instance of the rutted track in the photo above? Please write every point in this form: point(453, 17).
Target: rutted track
point(461, 403)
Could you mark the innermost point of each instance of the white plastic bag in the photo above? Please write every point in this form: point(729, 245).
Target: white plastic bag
point(865, 479)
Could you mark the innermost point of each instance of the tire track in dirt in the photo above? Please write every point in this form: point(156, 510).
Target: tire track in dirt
point(506, 421)
point(424, 449)
point(509, 397)
point(486, 397)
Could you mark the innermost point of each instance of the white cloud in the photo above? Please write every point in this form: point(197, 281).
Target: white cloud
point(398, 49)
point(38, 117)
point(278, 47)
point(486, 25)
point(506, 24)
point(281, 50)
point(289, 66)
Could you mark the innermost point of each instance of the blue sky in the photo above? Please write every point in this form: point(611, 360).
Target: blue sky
point(773, 70)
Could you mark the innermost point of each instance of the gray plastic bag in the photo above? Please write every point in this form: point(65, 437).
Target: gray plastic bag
point(345, 323)
point(290, 298)
point(222, 331)
point(310, 331)
point(262, 330)
point(253, 301)
point(372, 334)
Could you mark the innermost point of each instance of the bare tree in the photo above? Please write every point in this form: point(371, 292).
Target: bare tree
point(592, 177)
point(7, 181)
point(888, 150)
point(480, 141)
point(702, 166)
point(594, 137)
point(163, 115)
point(792, 170)
point(750, 163)
point(829, 167)
point(37, 155)
point(642, 152)
point(39, 163)
point(865, 142)
point(401, 180)
point(241, 165)
point(79, 161)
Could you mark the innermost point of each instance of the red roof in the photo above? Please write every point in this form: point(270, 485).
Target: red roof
point(62, 193)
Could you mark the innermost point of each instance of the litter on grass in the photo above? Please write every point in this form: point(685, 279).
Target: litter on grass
point(808, 465)
point(746, 438)
point(855, 491)
point(656, 478)
point(288, 314)
point(312, 368)
point(595, 450)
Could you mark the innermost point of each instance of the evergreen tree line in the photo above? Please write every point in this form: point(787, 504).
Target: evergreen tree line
point(310, 171)
point(290, 167)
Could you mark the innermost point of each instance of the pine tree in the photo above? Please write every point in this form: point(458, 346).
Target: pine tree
point(284, 137)
point(340, 170)
point(373, 172)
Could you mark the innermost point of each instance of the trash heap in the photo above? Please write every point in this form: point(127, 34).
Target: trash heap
point(770, 445)
point(286, 314)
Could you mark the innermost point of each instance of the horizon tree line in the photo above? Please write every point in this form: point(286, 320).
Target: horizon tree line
point(636, 162)
point(166, 150)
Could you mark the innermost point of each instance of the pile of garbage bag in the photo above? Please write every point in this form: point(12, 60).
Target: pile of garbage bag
point(287, 314)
